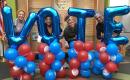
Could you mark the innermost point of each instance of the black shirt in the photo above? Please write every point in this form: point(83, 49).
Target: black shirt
point(70, 34)
point(99, 29)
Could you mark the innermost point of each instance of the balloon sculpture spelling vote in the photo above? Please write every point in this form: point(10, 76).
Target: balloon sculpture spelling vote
point(82, 57)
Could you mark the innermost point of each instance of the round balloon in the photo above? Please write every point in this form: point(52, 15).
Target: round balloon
point(20, 61)
point(49, 58)
point(98, 64)
point(30, 56)
point(30, 67)
point(11, 54)
point(71, 45)
point(85, 65)
point(43, 67)
point(82, 56)
point(60, 55)
point(85, 73)
point(111, 67)
point(62, 73)
point(91, 55)
point(43, 48)
point(104, 57)
point(89, 45)
point(72, 53)
point(74, 63)
point(26, 76)
point(56, 65)
point(78, 45)
point(73, 73)
point(50, 75)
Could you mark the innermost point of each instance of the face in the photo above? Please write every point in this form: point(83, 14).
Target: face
point(99, 19)
point(48, 21)
point(71, 21)
point(21, 15)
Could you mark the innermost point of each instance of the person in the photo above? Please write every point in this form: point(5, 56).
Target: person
point(48, 25)
point(99, 26)
point(19, 22)
point(70, 31)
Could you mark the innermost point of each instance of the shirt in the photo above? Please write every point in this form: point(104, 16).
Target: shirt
point(100, 30)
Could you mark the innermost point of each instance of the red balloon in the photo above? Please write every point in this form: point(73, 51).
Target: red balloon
point(24, 49)
point(43, 48)
point(43, 67)
point(74, 64)
point(62, 73)
point(104, 57)
point(49, 58)
point(73, 73)
point(15, 72)
point(89, 45)
point(78, 45)
point(111, 67)
point(82, 56)
point(10, 64)
point(26, 77)
point(99, 45)
point(30, 56)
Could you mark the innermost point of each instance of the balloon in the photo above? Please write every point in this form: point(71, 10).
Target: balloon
point(26, 77)
point(96, 54)
point(60, 55)
point(24, 49)
point(71, 45)
point(96, 71)
point(43, 67)
point(72, 53)
point(50, 75)
point(106, 74)
point(111, 67)
point(73, 73)
point(112, 49)
point(89, 45)
point(49, 58)
point(91, 55)
point(110, 25)
point(56, 30)
point(55, 47)
point(30, 67)
point(74, 63)
point(62, 73)
point(15, 72)
point(119, 58)
point(11, 54)
point(78, 45)
point(30, 56)
point(99, 45)
point(104, 57)
point(85, 73)
point(9, 28)
point(20, 61)
point(81, 14)
point(85, 65)
point(40, 56)
point(82, 56)
point(56, 65)
point(98, 64)
point(43, 48)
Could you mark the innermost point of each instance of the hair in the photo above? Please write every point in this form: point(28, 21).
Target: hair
point(66, 18)
point(20, 11)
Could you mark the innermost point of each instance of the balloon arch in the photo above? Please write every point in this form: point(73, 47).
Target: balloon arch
point(83, 59)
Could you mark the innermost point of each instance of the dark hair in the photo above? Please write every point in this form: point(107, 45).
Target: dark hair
point(67, 17)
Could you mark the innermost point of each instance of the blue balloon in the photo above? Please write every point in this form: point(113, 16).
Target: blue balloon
point(68, 59)
point(50, 75)
point(11, 54)
point(119, 58)
point(20, 61)
point(30, 67)
point(71, 45)
point(56, 65)
point(81, 14)
point(96, 71)
point(85, 65)
point(60, 56)
point(106, 75)
point(55, 47)
point(112, 49)
point(56, 30)
point(72, 53)
point(98, 64)
point(96, 53)
point(9, 28)
point(85, 73)
point(110, 25)
point(40, 56)
point(91, 55)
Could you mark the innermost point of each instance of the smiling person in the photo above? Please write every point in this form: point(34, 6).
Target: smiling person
point(18, 24)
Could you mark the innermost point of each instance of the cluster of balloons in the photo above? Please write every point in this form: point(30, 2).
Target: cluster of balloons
point(51, 65)
point(21, 61)
point(83, 59)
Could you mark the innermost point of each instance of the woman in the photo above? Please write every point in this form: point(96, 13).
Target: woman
point(18, 24)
